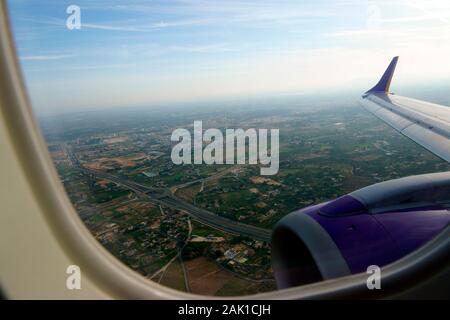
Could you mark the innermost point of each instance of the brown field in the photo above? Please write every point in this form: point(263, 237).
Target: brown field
point(205, 277)
point(107, 163)
point(260, 180)
point(100, 164)
point(58, 155)
point(138, 206)
point(261, 205)
point(103, 182)
point(115, 140)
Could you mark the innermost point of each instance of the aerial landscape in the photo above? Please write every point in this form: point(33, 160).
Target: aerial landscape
point(205, 229)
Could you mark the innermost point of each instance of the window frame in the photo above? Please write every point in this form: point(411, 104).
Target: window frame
point(112, 276)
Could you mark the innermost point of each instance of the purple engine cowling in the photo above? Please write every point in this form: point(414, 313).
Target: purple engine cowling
point(376, 225)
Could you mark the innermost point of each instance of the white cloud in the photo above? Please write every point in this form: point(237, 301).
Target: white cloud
point(116, 27)
point(45, 57)
point(279, 72)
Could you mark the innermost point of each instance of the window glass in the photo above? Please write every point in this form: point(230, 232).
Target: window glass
point(184, 131)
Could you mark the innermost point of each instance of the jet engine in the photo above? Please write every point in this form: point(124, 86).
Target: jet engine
point(375, 225)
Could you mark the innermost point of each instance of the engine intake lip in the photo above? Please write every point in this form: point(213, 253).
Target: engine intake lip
point(303, 252)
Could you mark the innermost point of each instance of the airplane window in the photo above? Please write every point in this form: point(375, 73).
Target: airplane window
point(219, 147)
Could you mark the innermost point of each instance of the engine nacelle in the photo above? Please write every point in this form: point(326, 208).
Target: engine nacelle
point(375, 225)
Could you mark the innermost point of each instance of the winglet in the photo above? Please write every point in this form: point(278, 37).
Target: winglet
point(383, 85)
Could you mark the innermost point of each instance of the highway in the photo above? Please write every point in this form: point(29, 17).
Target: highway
point(164, 197)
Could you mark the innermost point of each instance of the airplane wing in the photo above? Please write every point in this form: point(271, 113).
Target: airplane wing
point(426, 123)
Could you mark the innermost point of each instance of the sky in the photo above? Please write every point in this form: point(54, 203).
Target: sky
point(149, 53)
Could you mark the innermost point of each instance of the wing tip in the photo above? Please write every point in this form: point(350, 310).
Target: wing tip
point(384, 83)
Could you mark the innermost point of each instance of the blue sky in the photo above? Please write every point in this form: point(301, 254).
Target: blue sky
point(152, 52)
